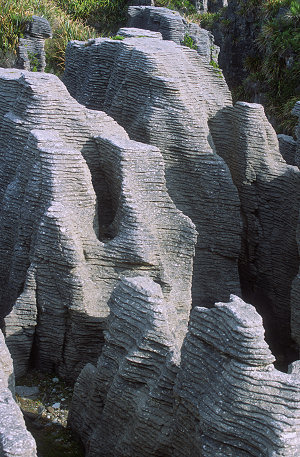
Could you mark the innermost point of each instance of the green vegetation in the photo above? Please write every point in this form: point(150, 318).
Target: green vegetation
point(183, 6)
point(69, 19)
point(277, 65)
point(188, 41)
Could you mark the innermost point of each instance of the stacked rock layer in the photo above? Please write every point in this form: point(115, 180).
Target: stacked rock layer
point(225, 399)
point(164, 94)
point(82, 205)
point(15, 440)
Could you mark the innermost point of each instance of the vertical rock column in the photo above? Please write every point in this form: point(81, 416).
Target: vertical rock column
point(269, 191)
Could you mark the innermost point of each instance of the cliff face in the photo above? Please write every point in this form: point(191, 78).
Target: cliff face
point(62, 249)
point(164, 94)
point(218, 402)
point(269, 191)
point(98, 228)
point(15, 440)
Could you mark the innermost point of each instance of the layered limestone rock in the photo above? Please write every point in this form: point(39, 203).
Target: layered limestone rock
point(295, 295)
point(140, 401)
point(31, 49)
point(269, 191)
point(209, 5)
point(124, 406)
point(230, 400)
point(173, 27)
point(164, 94)
point(15, 440)
point(81, 205)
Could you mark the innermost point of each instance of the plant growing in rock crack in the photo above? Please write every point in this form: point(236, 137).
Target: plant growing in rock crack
point(33, 60)
point(188, 41)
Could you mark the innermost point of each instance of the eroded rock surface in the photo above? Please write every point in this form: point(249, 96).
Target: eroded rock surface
point(82, 204)
point(231, 401)
point(173, 27)
point(31, 49)
point(269, 191)
point(124, 406)
point(15, 440)
point(164, 94)
point(140, 401)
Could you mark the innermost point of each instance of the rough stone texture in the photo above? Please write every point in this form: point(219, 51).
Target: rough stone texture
point(295, 294)
point(287, 147)
point(211, 6)
point(269, 191)
point(130, 32)
point(15, 440)
point(124, 406)
point(31, 49)
point(141, 2)
point(296, 112)
point(140, 402)
point(230, 400)
point(81, 205)
point(173, 27)
point(164, 94)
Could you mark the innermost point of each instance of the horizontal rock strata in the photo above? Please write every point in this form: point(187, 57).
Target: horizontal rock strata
point(173, 27)
point(231, 401)
point(269, 191)
point(164, 94)
point(82, 205)
point(31, 49)
point(15, 440)
point(123, 407)
point(224, 399)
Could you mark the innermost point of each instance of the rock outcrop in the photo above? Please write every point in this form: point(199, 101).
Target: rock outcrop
point(269, 191)
point(139, 400)
point(82, 205)
point(164, 94)
point(173, 27)
point(15, 440)
point(31, 49)
point(230, 400)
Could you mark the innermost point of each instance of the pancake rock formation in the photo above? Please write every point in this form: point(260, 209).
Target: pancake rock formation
point(140, 401)
point(173, 26)
point(31, 49)
point(81, 205)
point(165, 94)
point(15, 440)
point(269, 191)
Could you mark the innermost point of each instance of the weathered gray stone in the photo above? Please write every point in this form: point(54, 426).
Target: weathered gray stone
point(140, 401)
point(269, 191)
point(31, 49)
point(130, 32)
point(165, 94)
point(142, 2)
point(173, 27)
point(230, 400)
point(287, 147)
point(27, 391)
point(15, 440)
point(125, 405)
point(211, 6)
point(82, 205)
point(296, 112)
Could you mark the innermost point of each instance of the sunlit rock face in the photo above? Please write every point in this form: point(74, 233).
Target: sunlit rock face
point(164, 94)
point(219, 401)
point(81, 205)
point(230, 400)
point(15, 440)
point(269, 191)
